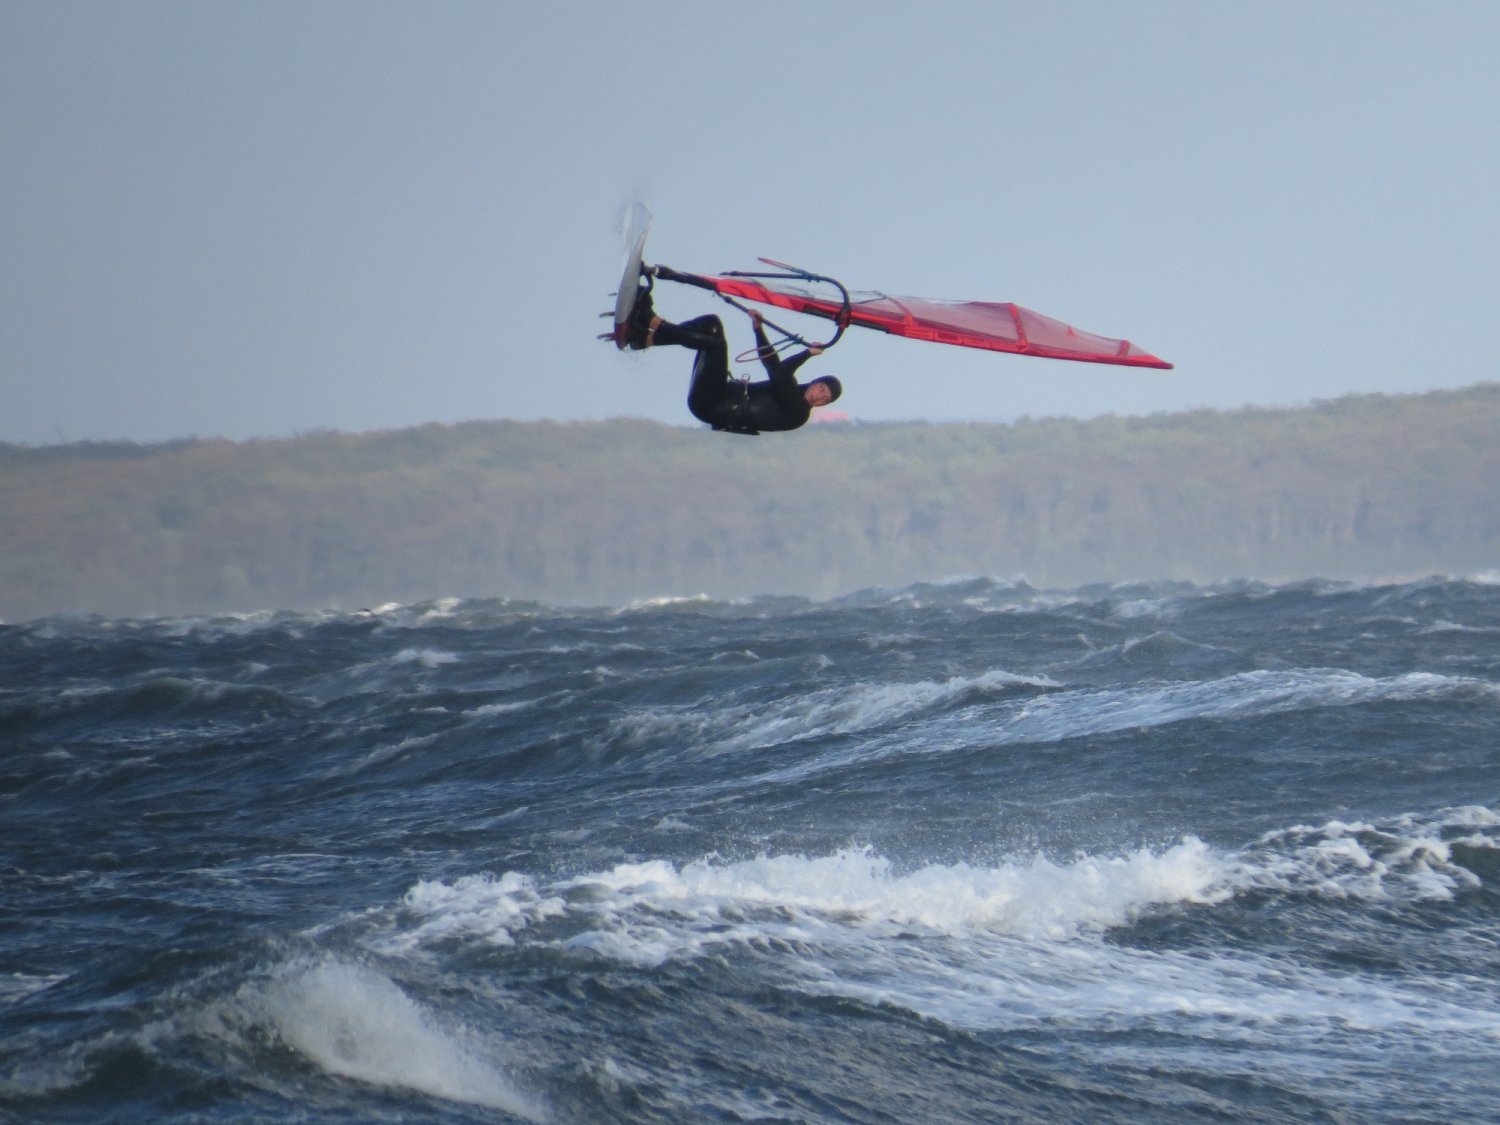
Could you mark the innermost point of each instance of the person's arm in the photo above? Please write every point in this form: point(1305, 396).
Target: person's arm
point(766, 353)
point(763, 349)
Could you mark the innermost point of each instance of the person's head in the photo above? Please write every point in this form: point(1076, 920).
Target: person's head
point(822, 390)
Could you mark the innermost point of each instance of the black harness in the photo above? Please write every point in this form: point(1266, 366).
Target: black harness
point(741, 408)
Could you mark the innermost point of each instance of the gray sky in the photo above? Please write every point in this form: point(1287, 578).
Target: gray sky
point(257, 219)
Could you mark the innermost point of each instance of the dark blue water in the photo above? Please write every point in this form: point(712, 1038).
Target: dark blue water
point(961, 852)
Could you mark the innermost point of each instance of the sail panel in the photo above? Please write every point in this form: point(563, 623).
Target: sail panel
point(989, 325)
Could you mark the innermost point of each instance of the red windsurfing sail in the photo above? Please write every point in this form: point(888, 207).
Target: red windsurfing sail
point(989, 325)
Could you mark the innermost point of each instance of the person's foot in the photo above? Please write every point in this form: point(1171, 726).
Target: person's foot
point(641, 318)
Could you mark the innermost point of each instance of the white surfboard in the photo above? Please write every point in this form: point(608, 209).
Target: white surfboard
point(630, 277)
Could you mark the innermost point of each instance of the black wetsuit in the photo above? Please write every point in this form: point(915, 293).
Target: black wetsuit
point(726, 403)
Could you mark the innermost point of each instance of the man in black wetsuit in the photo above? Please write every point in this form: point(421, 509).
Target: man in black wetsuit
point(726, 403)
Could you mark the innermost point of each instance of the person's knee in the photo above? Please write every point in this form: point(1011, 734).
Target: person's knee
point(708, 325)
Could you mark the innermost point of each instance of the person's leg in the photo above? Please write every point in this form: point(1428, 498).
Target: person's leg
point(646, 329)
point(710, 386)
point(701, 333)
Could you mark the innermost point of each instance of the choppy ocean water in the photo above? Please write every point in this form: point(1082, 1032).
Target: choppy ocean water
point(960, 852)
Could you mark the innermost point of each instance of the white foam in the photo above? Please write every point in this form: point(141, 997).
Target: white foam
point(33, 1068)
point(476, 905)
point(1021, 943)
point(642, 605)
point(1160, 607)
point(426, 657)
point(356, 1023)
point(621, 912)
point(441, 610)
point(489, 710)
point(1407, 858)
point(1034, 897)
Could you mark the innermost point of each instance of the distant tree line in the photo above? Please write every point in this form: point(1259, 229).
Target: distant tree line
point(602, 513)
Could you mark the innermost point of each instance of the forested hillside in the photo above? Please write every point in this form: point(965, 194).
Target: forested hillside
point(606, 512)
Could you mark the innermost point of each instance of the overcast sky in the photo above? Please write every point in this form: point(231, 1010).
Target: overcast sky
point(259, 219)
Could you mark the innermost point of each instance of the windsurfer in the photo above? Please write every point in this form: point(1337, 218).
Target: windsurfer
point(737, 406)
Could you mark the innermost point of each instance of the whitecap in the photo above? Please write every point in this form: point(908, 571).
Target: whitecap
point(426, 657)
point(651, 911)
point(1404, 858)
point(356, 1023)
point(475, 906)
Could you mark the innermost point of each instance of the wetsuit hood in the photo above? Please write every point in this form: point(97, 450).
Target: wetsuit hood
point(835, 388)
